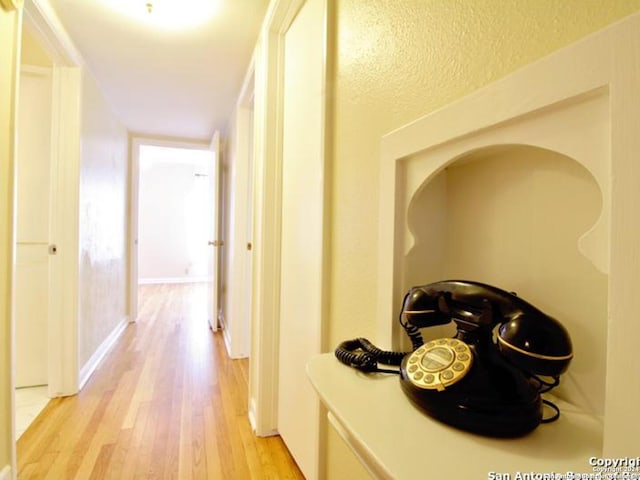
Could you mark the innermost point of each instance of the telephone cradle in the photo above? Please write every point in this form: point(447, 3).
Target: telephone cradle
point(487, 379)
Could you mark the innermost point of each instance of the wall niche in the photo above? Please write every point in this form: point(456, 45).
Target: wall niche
point(512, 216)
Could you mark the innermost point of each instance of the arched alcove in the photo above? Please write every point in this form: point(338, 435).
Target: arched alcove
point(512, 216)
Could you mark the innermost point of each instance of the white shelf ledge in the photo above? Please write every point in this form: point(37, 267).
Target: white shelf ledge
point(394, 440)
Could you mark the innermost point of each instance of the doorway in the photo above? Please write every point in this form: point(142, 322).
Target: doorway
point(35, 177)
point(33, 204)
point(303, 287)
point(174, 217)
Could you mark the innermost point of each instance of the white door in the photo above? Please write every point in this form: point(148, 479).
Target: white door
point(32, 232)
point(245, 330)
point(302, 247)
point(215, 243)
point(134, 212)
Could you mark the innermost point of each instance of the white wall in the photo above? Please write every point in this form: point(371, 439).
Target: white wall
point(174, 215)
point(102, 222)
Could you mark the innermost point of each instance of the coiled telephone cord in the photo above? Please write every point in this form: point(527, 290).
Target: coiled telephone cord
point(363, 355)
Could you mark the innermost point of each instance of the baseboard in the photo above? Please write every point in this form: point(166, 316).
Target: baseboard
point(252, 414)
point(253, 422)
point(232, 350)
point(227, 340)
point(87, 370)
point(225, 332)
point(158, 281)
point(5, 473)
point(221, 321)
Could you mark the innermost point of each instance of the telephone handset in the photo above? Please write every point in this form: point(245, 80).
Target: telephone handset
point(487, 378)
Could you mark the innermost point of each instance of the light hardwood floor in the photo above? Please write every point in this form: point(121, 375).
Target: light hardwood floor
point(166, 402)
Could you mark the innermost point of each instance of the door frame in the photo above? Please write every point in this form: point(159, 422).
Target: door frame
point(65, 184)
point(240, 153)
point(36, 73)
point(304, 288)
point(135, 142)
point(269, 102)
point(216, 242)
point(269, 91)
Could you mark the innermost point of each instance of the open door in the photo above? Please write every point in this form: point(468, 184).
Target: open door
point(215, 243)
point(32, 224)
point(303, 304)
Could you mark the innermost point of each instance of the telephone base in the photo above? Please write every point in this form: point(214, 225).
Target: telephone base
point(503, 421)
point(493, 399)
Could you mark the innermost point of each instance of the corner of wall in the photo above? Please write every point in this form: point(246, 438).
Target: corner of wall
point(92, 364)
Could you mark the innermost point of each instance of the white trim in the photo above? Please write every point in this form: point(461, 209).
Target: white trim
point(252, 414)
point(8, 252)
point(263, 388)
point(63, 294)
point(5, 473)
point(215, 230)
point(221, 318)
point(160, 280)
point(140, 140)
point(92, 364)
point(132, 234)
point(310, 301)
point(35, 70)
point(240, 283)
point(43, 23)
point(247, 91)
point(252, 420)
point(227, 341)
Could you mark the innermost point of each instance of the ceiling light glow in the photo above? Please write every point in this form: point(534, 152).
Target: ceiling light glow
point(166, 14)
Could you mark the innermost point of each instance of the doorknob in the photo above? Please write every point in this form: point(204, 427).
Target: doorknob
point(215, 243)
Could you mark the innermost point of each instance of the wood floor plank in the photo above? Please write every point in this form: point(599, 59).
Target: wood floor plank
point(165, 403)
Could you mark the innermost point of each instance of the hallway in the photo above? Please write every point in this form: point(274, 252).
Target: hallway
point(166, 402)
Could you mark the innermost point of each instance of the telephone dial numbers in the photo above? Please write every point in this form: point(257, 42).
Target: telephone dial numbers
point(439, 363)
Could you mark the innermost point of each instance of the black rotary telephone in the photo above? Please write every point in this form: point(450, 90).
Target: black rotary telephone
point(489, 377)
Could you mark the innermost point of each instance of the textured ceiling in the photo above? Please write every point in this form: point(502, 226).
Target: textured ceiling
point(163, 81)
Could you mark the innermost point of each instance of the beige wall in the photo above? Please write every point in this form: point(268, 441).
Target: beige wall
point(397, 61)
point(103, 221)
point(9, 51)
point(32, 52)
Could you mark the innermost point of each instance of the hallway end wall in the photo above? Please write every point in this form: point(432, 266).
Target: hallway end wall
point(103, 222)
